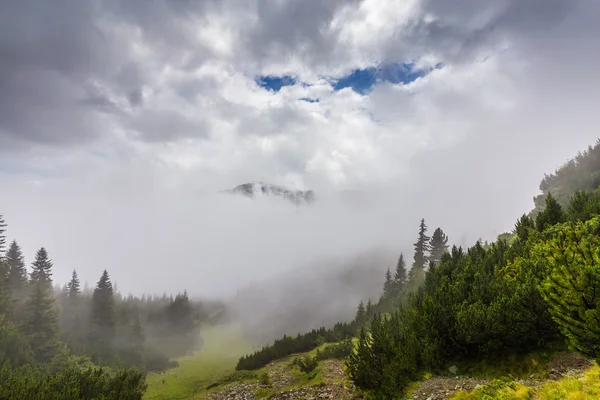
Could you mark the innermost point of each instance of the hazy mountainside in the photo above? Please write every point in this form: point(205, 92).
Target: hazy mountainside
point(582, 172)
point(319, 295)
point(253, 190)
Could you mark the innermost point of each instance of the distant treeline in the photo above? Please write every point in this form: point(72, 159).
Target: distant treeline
point(289, 345)
point(50, 336)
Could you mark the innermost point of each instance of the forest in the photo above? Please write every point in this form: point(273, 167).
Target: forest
point(71, 342)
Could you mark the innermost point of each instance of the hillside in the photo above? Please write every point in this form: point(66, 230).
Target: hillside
point(501, 320)
point(582, 172)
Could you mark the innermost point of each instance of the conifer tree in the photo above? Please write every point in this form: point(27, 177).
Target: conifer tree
point(438, 245)
point(17, 271)
point(71, 317)
point(388, 285)
point(41, 267)
point(417, 272)
point(40, 323)
point(551, 215)
point(360, 314)
point(73, 287)
point(399, 276)
point(572, 285)
point(103, 318)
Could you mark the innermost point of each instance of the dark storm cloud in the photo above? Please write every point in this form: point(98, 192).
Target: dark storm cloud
point(51, 51)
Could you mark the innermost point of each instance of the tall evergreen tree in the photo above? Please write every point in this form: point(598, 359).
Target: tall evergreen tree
point(417, 272)
point(103, 319)
point(400, 276)
point(361, 314)
point(71, 318)
point(41, 267)
point(388, 285)
point(73, 287)
point(438, 245)
point(40, 323)
point(17, 271)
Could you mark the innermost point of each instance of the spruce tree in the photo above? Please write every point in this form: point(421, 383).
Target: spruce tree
point(41, 267)
point(388, 285)
point(17, 271)
point(551, 215)
point(399, 276)
point(40, 323)
point(73, 287)
point(417, 272)
point(360, 314)
point(438, 245)
point(103, 319)
point(71, 316)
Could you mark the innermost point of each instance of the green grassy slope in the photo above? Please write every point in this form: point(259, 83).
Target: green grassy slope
point(223, 345)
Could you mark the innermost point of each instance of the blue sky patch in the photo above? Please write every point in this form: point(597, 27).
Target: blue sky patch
point(363, 80)
point(309, 100)
point(275, 83)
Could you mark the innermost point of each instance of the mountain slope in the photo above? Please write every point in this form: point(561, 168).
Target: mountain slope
point(256, 189)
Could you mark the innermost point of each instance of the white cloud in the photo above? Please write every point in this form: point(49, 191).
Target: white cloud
point(172, 111)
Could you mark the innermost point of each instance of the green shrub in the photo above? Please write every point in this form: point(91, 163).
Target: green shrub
point(307, 364)
point(336, 351)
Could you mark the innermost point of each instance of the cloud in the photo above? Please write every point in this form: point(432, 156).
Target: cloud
point(113, 112)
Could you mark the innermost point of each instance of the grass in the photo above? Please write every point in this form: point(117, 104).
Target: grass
point(584, 386)
point(501, 390)
point(515, 366)
point(223, 345)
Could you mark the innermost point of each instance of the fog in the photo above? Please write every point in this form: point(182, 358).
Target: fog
point(113, 151)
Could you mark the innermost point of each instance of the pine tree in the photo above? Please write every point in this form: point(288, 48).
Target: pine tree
point(369, 308)
point(399, 276)
point(73, 287)
point(17, 271)
point(573, 282)
point(388, 285)
point(40, 323)
point(71, 320)
point(360, 314)
point(41, 267)
point(438, 245)
point(103, 319)
point(2, 237)
point(552, 214)
point(417, 272)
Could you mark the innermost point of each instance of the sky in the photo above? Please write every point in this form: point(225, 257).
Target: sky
point(120, 120)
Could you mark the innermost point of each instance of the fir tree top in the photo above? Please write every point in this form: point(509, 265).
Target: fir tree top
point(421, 247)
point(73, 287)
point(17, 271)
point(41, 267)
point(438, 245)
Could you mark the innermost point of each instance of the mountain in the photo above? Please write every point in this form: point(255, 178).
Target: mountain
point(256, 189)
